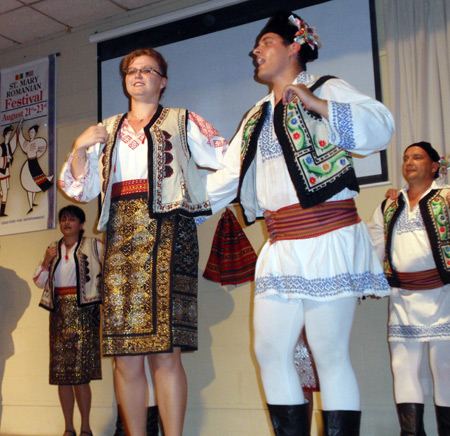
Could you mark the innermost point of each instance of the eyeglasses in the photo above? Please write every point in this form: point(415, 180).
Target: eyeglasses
point(143, 71)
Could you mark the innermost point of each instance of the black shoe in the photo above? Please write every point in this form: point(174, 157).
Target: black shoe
point(443, 420)
point(152, 421)
point(289, 420)
point(341, 422)
point(120, 429)
point(410, 416)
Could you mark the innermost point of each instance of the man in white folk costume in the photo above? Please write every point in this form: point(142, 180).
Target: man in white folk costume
point(297, 172)
point(411, 234)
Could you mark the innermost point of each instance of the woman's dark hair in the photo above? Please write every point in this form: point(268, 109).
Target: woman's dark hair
point(35, 128)
point(74, 211)
point(6, 130)
point(149, 51)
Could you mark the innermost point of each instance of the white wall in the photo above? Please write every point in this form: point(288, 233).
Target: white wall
point(225, 396)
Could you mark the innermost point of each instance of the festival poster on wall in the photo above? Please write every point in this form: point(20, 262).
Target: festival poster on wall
point(27, 150)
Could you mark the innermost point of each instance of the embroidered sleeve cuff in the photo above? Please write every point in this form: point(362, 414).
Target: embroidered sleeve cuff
point(73, 187)
point(341, 125)
point(40, 276)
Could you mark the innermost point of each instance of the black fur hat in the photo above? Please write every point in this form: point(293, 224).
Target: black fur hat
point(281, 25)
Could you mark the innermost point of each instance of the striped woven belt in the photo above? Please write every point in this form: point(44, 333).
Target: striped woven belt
point(129, 187)
point(294, 222)
point(66, 290)
point(421, 280)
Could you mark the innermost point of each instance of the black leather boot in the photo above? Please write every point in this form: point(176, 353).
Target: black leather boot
point(152, 421)
point(443, 420)
point(120, 429)
point(2, 209)
point(289, 420)
point(341, 422)
point(410, 416)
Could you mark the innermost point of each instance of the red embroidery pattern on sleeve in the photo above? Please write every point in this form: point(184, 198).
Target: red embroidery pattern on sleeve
point(208, 130)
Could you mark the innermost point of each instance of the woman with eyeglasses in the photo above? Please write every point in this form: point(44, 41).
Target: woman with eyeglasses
point(144, 164)
point(70, 275)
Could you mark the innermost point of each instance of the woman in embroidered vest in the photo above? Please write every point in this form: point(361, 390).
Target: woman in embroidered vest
point(144, 164)
point(297, 172)
point(70, 276)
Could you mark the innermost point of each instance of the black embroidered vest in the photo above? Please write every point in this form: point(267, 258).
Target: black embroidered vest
point(435, 214)
point(318, 169)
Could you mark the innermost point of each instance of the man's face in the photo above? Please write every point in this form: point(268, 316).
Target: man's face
point(272, 57)
point(417, 166)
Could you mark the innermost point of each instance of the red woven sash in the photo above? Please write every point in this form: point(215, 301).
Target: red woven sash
point(421, 280)
point(129, 187)
point(294, 222)
point(66, 290)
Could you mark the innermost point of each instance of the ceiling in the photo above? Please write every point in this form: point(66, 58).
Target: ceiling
point(25, 21)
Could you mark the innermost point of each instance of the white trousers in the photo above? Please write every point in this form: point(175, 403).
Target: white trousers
point(278, 323)
point(406, 358)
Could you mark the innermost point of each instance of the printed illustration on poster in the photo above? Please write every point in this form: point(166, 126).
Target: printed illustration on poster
point(27, 149)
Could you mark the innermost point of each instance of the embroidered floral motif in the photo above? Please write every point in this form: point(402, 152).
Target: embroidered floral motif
point(343, 123)
point(248, 130)
point(442, 220)
point(439, 208)
point(319, 160)
point(168, 157)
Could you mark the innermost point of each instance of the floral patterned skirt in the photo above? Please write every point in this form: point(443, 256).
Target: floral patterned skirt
point(150, 280)
point(74, 342)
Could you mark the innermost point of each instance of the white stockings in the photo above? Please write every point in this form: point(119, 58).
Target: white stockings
point(278, 323)
point(406, 358)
